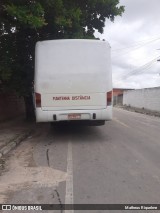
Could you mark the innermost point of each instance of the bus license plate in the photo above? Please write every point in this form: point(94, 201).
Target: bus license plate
point(74, 116)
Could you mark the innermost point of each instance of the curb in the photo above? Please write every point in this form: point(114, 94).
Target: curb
point(140, 110)
point(12, 144)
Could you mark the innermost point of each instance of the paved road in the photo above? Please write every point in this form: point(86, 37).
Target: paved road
point(115, 163)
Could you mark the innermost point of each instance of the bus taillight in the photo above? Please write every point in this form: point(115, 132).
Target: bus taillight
point(38, 99)
point(109, 98)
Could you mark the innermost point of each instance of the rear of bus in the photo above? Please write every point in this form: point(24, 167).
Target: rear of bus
point(73, 81)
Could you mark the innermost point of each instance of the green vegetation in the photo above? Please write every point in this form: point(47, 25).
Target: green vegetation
point(23, 23)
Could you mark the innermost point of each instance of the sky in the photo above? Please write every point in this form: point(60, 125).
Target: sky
point(135, 39)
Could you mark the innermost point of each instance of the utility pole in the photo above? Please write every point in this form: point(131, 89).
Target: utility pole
point(158, 61)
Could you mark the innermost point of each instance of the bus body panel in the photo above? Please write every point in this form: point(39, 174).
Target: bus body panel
point(50, 101)
point(72, 77)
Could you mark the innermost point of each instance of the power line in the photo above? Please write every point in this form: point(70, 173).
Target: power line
point(138, 71)
point(141, 68)
point(133, 48)
point(139, 43)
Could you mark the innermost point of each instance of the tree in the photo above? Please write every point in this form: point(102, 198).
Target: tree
point(23, 23)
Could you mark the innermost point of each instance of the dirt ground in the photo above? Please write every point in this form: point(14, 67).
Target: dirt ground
point(139, 110)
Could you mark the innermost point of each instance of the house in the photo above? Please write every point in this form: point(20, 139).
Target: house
point(118, 95)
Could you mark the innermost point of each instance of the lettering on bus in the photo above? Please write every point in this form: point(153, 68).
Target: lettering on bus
point(81, 97)
point(73, 98)
point(61, 98)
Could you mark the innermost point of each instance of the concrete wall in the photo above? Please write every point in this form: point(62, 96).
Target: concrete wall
point(143, 98)
point(118, 100)
point(10, 106)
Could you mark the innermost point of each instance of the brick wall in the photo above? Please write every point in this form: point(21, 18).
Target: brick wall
point(10, 106)
point(118, 95)
point(143, 98)
point(117, 92)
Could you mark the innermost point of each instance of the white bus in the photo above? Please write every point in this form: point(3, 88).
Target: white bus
point(73, 81)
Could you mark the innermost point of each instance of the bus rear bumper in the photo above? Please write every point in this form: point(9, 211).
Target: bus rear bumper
point(64, 115)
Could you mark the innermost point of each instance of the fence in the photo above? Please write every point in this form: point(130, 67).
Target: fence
point(143, 98)
point(10, 106)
